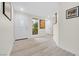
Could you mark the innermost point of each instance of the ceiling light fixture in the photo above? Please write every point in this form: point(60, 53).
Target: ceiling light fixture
point(21, 9)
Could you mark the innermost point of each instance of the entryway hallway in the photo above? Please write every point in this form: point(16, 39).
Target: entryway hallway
point(57, 35)
point(39, 46)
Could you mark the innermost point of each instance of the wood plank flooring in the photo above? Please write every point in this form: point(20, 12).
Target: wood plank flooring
point(40, 46)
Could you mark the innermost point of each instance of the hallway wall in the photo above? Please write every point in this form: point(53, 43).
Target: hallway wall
point(48, 27)
point(6, 34)
point(68, 29)
point(41, 31)
point(56, 29)
point(23, 25)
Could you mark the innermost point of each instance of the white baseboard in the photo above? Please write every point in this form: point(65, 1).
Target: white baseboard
point(67, 50)
point(4, 52)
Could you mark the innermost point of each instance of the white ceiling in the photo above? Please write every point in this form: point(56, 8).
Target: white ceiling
point(36, 8)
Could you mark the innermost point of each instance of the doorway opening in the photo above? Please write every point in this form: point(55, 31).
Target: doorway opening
point(34, 26)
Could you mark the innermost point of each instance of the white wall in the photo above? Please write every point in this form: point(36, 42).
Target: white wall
point(6, 34)
point(48, 26)
point(68, 29)
point(41, 31)
point(23, 25)
point(56, 29)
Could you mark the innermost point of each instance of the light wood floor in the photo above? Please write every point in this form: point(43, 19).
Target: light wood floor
point(42, 46)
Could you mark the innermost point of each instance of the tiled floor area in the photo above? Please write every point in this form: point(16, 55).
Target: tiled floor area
point(42, 46)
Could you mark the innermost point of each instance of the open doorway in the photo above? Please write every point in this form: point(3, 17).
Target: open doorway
point(34, 26)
